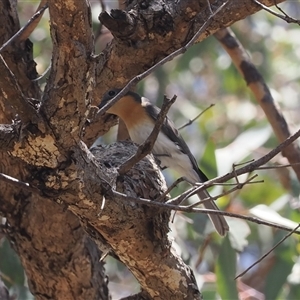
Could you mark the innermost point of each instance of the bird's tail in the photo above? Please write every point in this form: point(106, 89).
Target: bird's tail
point(218, 220)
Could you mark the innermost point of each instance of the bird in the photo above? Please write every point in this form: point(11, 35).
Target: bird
point(139, 116)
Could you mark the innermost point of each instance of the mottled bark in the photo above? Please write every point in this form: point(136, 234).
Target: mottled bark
point(60, 260)
point(42, 144)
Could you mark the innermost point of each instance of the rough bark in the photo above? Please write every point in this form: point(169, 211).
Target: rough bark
point(44, 147)
point(61, 262)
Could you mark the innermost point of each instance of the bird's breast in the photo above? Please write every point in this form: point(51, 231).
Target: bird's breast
point(167, 152)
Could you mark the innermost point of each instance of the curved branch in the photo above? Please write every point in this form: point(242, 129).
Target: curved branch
point(261, 92)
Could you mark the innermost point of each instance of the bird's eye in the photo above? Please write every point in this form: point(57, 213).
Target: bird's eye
point(111, 93)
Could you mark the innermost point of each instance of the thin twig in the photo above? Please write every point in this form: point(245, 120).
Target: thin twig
point(146, 148)
point(44, 73)
point(189, 122)
point(23, 32)
point(141, 76)
point(284, 17)
point(170, 188)
point(238, 186)
point(248, 168)
point(102, 4)
point(204, 245)
point(278, 166)
point(209, 6)
point(20, 184)
point(122, 197)
point(266, 254)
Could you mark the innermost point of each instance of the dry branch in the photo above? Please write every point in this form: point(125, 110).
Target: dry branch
point(261, 92)
point(26, 30)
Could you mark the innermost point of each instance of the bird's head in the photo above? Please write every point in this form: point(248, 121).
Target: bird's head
point(124, 105)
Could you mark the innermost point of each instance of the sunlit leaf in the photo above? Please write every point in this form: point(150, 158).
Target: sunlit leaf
point(241, 148)
point(266, 213)
point(239, 230)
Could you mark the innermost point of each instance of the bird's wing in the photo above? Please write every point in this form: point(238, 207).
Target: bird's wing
point(169, 129)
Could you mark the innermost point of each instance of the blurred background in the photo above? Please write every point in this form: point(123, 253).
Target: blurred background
point(234, 130)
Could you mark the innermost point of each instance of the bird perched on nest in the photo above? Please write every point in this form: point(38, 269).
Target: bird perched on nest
point(139, 116)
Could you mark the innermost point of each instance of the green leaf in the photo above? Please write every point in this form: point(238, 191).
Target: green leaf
point(208, 162)
point(226, 271)
point(266, 213)
point(241, 147)
point(282, 267)
point(239, 230)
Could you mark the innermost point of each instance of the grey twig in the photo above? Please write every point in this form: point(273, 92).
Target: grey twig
point(23, 33)
point(189, 122)
point(284, 17)
point(266, 254)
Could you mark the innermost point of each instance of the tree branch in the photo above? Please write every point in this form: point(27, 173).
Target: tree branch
point(261, 92)
point(284, 17)
point(150, 51)
point(27, 29)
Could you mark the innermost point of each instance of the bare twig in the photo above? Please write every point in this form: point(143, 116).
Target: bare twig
point(25, 31)
point(122, 197)
point(102, 4)
point(20, 184)
point(189, 122)
point(284, 17)
point(170, 188)
point(238, 186)
point(266, 254)
point(277, 166)
point(254, 165)
point(202, 249)
point(145, 148)
point(248, 168)
point(209, 6)
point(44, 73)
point(181, 50)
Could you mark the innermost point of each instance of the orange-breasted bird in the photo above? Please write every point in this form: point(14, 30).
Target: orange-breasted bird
point(139, 116)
